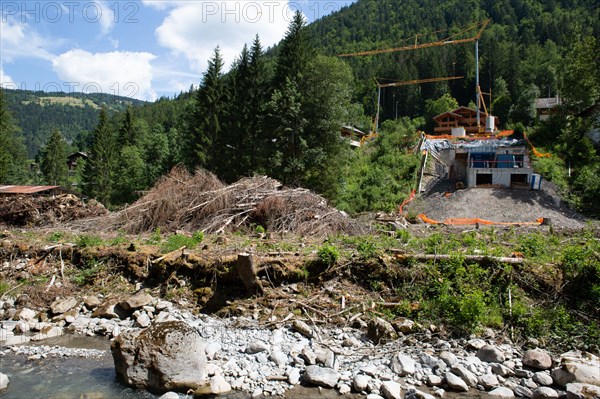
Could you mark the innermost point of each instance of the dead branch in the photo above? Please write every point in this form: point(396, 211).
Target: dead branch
point(400, 255)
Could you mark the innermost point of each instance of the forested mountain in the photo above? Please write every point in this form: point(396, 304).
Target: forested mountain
point(39, 113)
point(524, 45)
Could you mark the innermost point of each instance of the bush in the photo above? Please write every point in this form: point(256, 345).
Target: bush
point(177, 241)
point(328, 254)
point(88, 241)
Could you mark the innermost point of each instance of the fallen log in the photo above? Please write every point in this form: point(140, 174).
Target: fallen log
point(469, 258)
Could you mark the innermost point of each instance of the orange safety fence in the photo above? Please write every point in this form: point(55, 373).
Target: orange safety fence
point(410, 199)
point(473, 221)
point(535, 151)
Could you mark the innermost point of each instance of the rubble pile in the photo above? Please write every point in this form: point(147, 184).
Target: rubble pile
point(33, 211)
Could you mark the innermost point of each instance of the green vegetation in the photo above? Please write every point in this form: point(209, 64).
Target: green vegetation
point(328, 254)
point(89, 241)
point(177, 241)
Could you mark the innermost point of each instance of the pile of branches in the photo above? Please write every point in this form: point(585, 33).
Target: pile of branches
point(201, 202)
point(39, 211)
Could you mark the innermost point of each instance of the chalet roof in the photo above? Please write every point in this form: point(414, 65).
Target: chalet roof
point(447, 113)
point(546, 103)
point(25, 189)
point(457, 112)
point(78, 154)
point(352, 130)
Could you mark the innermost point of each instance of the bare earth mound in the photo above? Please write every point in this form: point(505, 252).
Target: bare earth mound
point(498, 205)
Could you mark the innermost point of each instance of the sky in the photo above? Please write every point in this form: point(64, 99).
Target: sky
point(142, 49)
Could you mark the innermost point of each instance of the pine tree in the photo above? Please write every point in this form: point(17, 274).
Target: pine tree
point(127, 132)
point(99, 169)
point(204, 128)
point(12, 149)
point(295, 52)
point(54, 159)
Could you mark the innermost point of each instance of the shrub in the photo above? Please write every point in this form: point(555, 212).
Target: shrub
point(87, 241)
point(177, 241)
point(328, 254)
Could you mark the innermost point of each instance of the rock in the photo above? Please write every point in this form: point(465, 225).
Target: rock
point(3, 381)
point(391, 390)
point(142, 320)
point(490, 354)
point(456, 383)
point(380, 331)
point(257, 347)
point(501, 370)
point(434, 380)
point(468, 377)
point(136, 301)
point(522, 391)
point(218, 385)
point(488, 381)
point(576, 390)
point(360, 382)
point(545, 393)
point(321, 376)
point(294, 376)
point(537, 359)
point(309, 356)
point(212, 349)
point(576, 372)
point(107, 309)
point(47, 332)
point(162, 305)
point(169, 395)
point(92, 302)
point(302, 328)
point(374, 396)
point(402, 365)
point(168, 356)
point(420, 395)
point(61, 306)
point(404, 326)
point(279, 358)
point(543, 378)
point(344, 389)
point(449, 358)
point(24, 314)
point(502, 392)
point(22, 327)
point(476, 344)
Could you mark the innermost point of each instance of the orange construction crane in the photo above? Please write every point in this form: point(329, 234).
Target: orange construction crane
point(443, 42)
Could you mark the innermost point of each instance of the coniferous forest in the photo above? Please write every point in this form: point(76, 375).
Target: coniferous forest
point(279, 111)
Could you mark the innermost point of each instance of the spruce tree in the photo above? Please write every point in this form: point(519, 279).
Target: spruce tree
point(204, 128)
point(54, 159)
point(12, 149)
point(99, 169)
point(295, 52)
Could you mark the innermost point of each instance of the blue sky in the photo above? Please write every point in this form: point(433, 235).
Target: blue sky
point(136, 48)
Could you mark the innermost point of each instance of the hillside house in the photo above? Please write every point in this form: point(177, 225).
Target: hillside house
point(544, 107)
point(497, 163)
point(73, 160)
point(462, 119)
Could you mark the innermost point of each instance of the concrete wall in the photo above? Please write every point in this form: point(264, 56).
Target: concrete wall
point(500, 177)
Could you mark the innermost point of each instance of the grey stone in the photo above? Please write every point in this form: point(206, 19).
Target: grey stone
point(374, 396)
point(136, 301)
point(576, 372)
point(24, 314)
point(488, 381)
point(165, 357)
point(47, 332)
point(3, 381)
point(490, 354)
point(211, 349)
point(391, 390)
point(143, 320)
point(501, 370)
point(218, 385)
point(434, 380)
point(402, 365)
point(468, 377)
point(107, 309)
point(279, 358)
point(529, 383)
point(303, 328)
point(405, 326)
point(344, 389)
point(309, 356)
point(543, 378)
point(456, 383)
point(537, 359)
point(92, 302)
point(545, 393)
point(294, 376)
point(523, 392)
point(360, 382)
point(502, 392)
point(321, 376)
point(380, 331)
point(476, 344)
point(257, 347)
point(169, 395)
point(448, 357)
point(61, 306)
point(576, 390)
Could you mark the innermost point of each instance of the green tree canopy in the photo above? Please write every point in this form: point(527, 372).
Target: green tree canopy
point(54, 159)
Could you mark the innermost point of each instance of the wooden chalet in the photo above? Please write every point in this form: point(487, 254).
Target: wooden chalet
point(460, 117)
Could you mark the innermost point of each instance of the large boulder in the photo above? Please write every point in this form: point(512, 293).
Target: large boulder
point(582, 391)
point(136, 301)
point(61, 306)
point(577, 367)
point(490, 354)
point(3, 381)
point(168, 356)
point(538, 359)
point(321, 376)
point(402, 365)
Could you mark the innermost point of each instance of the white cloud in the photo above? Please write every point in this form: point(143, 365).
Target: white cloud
point(19, 40)
point(194, 29)
point(122, 73)
point(6, 81)
point(107, 17)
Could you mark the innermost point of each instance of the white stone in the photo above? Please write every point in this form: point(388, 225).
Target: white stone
point(218, 385)
point(211, 349)
point(543, 378)
point(577, 390)
point(294, 376)
point(402, 365)
point(3, 381)
point(48, 333)
point(545, 393)
point(456, 383)
point(169, 395)
point(449, 358)
point(344, 389)
point(488, 381)
point(321, 376)
point(257, 347)
point(468, 377)
point(143, 320)
point(391, 390)
point(361, 382)
point(502, 392)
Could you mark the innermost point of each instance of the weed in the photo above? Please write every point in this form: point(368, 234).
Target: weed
point(55, 237)
point(328, 254)
point(403, 236)
point(88, 241)
point(4, 287)
point(177, 241)
point(155, 237)
point(86, 274)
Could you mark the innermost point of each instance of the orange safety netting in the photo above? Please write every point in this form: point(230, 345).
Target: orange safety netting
point(473, 221)
point(535, 151)
point(410, 198)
